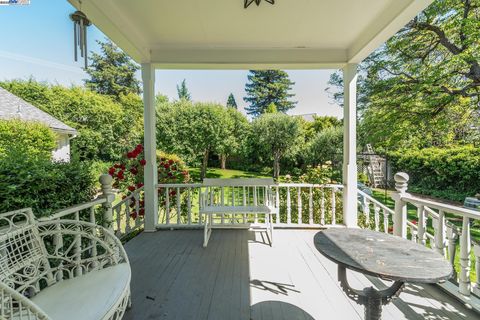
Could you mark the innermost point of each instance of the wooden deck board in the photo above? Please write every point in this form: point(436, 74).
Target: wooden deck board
point(239, 276)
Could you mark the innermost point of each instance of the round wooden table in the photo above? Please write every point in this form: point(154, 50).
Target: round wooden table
point(380, 255)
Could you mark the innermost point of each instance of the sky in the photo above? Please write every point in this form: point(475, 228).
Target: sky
point(37, 41)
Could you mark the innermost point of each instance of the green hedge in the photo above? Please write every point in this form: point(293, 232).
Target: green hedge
point(20, 137)
point(106, 127)
point(450, 173)
point(43, 185)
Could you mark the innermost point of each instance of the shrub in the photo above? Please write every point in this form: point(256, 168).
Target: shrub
point(106, 127)
point(128, 175)
point(43, 185)
point(28, 138)
point(451, 173)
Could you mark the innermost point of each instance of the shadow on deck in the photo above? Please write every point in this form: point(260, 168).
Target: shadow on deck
point(239, 276)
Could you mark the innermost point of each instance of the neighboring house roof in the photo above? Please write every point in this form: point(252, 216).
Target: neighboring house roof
point(309, 117)
point(12, 107)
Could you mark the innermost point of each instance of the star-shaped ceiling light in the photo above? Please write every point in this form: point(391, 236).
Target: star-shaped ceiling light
point(249, 2)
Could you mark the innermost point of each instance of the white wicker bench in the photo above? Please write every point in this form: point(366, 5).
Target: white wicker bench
point(210, 206)
point(60, 269)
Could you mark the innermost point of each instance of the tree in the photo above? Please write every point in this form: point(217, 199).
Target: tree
point(231, 101)
point(265, 87)
point(271, 108)
point(277, 135)
point(106, 126)
point(422, 88)
point(182, 91)
point(112, 72)
point(193, 131)
point(325, 144)
point(235, 142)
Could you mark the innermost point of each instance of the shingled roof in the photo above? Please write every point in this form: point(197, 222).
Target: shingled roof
point(12, 107)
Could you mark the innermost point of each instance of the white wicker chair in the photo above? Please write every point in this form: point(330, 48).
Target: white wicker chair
point(60, 269)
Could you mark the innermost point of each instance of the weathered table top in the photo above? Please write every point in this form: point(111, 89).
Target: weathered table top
point(382, 255)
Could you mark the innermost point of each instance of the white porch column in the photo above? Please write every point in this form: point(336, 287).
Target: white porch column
point(150, 142)
point(350, 145)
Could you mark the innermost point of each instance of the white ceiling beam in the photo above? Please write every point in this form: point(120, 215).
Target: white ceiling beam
point(120, 32)
point(243, 58)
point(389, 23)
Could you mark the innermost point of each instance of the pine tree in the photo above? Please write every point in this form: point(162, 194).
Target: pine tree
point(112, 72)
point(182, 91)
point(231, 101)
point(265, 87)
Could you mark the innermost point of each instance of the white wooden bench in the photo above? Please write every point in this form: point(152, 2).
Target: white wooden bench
point(258, 201)
point(60, 269)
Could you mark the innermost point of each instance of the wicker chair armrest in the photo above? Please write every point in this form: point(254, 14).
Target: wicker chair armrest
point(15, 305)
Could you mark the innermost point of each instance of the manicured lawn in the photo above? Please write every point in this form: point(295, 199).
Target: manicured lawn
point(224, 174)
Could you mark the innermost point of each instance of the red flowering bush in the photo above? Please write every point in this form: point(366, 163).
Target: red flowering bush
point(128, 177)
point(129, 172)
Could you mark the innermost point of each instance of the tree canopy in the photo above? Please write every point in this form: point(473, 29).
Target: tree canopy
point(106, 126)
point(112, 72)
point(182, 91)
point(195, 131)
point(276, 135)
point(265, 87)
point(422, 88)
point(231, 101)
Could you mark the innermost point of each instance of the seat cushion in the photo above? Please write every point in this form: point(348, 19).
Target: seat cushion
point(88, 297)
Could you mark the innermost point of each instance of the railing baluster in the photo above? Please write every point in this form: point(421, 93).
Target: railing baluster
point(452, 236)
point(299, 205)
point(366, 211)
point(385, 220)
point(289, 207)
point(334, 213)
point(277, 204)
point(310, 206)
point(93, 242)
point(322, 207)
point(421, 225)
point(255, 203)
point(476, 253)
point(189, 206)
point(179, 207)
point(440, 234)
point(465, 247)
point(78, 248)
point(376, 210)
point(167, 206)
point(244, 199)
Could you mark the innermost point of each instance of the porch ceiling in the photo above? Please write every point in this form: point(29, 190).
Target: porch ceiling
point(221, 34)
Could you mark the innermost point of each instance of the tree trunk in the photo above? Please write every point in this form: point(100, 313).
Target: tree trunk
point(276, 166)
point(223, 161)
point(203, 172)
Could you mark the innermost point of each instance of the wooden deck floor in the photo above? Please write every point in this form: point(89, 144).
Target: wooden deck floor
point(239, 276)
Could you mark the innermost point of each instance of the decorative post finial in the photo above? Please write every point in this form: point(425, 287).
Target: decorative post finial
point(401, 181)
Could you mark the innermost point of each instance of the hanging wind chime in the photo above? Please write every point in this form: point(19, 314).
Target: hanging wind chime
point(80, 24)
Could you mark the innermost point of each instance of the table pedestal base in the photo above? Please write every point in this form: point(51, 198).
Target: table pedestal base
point(370, 297)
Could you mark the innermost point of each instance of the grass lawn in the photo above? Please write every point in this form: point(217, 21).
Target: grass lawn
point(224, 174)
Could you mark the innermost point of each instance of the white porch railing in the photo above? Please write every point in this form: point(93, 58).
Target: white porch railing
point(301, 205)
point(442, 227)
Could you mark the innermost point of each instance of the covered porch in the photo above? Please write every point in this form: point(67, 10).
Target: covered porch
point(239, 276)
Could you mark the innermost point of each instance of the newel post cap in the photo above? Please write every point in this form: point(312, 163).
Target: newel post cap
point(106, 182)
point(401, 181)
